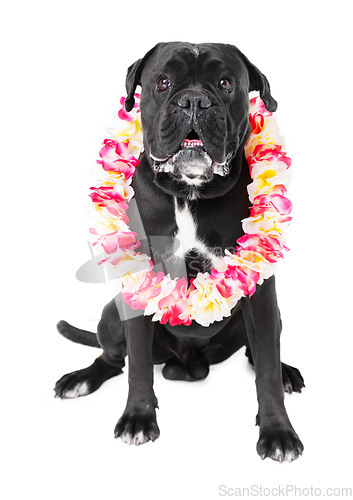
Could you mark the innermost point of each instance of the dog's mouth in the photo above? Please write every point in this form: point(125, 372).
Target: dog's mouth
point(191, 162)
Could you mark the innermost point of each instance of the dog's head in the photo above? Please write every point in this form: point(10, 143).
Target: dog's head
point(195, 113)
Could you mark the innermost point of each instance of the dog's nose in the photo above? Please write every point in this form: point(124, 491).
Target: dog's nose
point(194, 101)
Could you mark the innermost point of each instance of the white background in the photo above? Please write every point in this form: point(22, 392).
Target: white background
point(63, 71)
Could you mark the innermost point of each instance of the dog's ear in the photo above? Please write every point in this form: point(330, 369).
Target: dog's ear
point(133, 77)
point(259, 82)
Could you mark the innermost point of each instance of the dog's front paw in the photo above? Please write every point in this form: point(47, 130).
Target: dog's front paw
point(279, 445)
point(137, 427)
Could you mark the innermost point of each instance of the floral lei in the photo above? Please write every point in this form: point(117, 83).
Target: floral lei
point(210, 296)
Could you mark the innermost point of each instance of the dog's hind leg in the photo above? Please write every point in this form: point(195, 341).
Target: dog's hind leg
point(292, 379)
point(111, 337)
point(85, 381)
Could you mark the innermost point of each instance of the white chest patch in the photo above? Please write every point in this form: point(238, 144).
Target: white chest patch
point(186, 232)
point(187, 238)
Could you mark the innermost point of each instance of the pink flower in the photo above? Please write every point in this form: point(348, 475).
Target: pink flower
point(115, 158)
point(172, 306)
point(104, 193)
point(264, 203)
point(272, 153)
point(257, 122)
point(122, 150)
point(268, 246)
point(131, 116)
point(224, 287)
point(106, 196)
point(257, 117)
point(258, 106)
point(118, 209)
point(120, 165)
point(150, 288)
point(246, 279)
point(119, 239)
point(235, 278)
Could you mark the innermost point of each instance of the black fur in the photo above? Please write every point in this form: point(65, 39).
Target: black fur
point(194, 104)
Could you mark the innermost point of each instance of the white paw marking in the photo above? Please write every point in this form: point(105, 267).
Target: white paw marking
point(136, 439)
point(290, 455)
point(278, 455)
point(281, 456)
point(126, 437)
point(79, 390)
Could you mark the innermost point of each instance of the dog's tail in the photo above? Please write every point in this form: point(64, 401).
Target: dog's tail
point(76, 335)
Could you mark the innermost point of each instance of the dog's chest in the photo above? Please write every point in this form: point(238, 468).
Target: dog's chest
point(186, 233)
point(186, 239)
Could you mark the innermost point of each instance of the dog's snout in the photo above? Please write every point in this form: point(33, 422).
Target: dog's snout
point(194, 101)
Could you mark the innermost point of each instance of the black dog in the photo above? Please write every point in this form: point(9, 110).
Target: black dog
point(197, 195)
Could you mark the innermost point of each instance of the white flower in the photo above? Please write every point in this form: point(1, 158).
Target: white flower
point(207, 304)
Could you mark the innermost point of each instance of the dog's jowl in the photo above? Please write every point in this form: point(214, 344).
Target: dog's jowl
point(191, 193)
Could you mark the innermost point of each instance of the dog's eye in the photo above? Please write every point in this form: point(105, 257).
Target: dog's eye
point(225, 85)
point(163, 84)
